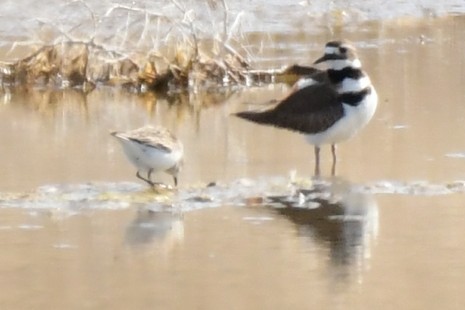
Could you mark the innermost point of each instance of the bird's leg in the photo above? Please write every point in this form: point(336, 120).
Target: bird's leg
point(144, 179)
point(175, 179)
point(317, 161)
point(152, 183)
point(333, 151)
point(149, 175)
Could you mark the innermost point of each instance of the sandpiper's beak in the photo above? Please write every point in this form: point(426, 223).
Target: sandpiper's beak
point(327, 57)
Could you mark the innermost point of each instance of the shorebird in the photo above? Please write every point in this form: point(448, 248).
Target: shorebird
point(152, 149)
point(328, 106)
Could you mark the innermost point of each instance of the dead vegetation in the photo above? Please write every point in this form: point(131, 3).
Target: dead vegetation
point(184, 52)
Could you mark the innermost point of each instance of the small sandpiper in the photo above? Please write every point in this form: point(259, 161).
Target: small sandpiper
point(152, 149)
point(328, 106)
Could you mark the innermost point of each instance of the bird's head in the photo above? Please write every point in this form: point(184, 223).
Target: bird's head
point(338, 55)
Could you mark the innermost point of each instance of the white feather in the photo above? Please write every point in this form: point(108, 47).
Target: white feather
point(331, 50)
point(354, 85)
point(339, 64)
point(354, 119)
point(304, 82)
point(145, 157)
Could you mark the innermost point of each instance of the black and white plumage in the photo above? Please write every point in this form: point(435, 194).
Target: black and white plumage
point(328, 106)
point(152, 149)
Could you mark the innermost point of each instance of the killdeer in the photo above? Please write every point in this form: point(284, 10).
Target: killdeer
point(328, 106)
point(152, 149)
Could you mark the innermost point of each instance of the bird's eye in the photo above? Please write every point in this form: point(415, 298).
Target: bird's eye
point(343, 50)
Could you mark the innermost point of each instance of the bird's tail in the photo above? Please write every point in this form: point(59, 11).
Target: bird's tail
point(260, 117)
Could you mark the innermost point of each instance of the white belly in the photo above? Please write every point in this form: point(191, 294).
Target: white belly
point(146, 158)
point(354, 119)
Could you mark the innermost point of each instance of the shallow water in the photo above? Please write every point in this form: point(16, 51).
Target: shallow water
point(77, 230)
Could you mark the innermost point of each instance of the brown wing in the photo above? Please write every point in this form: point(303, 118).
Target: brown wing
point(148, 143)
point(311, 109)
point(156, 137)
point(310, 99)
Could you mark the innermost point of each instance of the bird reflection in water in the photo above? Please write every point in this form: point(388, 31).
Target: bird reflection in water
point(162, 229)
point(340, 216)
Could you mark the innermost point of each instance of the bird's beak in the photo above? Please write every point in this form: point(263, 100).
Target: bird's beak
point(327, 57)
point(321, 59)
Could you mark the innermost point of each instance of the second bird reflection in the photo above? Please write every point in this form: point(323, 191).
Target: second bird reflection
point(336, 214)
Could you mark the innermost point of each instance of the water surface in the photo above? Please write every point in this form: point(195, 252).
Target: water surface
point(77, 230)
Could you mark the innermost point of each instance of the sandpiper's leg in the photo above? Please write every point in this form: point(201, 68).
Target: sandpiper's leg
point(144, 179)
point(152, 183)
point(175, 179)
point(333, 151)
point(317, 161)
point(140, 177)
point(149, 174)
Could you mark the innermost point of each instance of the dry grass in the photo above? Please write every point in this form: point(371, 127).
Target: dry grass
point(147, 51)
